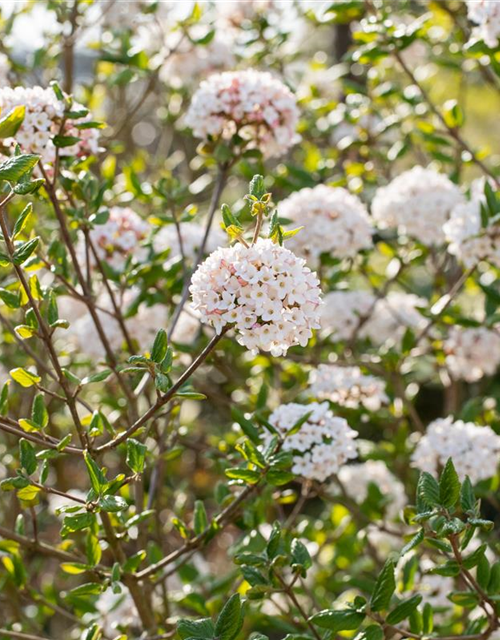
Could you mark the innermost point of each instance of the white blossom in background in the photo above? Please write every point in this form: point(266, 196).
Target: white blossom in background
point(433, 588)
point(323, 443)
point(191, 236)
point(141, 327)
point(392, 316)
point(347, 386)
point(254, 104)
point(4, 72)
point(268, 294)
point(56, 502)
point(335, 222)
point(475, 450)
point(187, 328)
point(472, 352)
point(190, 62)
point(117, 610)
point(42, 121)
point(235, 13)
point(467, 238)
point(343, 311)
point(486, 14)
point(118, 239)
point(418, 203)
point(357, 477)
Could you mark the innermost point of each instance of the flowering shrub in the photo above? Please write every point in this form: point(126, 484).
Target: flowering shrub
point(249, 320)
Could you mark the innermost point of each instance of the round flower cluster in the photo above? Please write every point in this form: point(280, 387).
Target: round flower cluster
point(418, 203)
point(467, 238)
point(265, 291)
point(475, 450)
point(433, 588)
point(392, 316)
point(141, 327)
point(187, 328)
point(42, 121)
point(254, 104)
point(323, 443)
point(335, 222)
point(119, 238)
point(342, 312)
point(4, 72)
point(190, 62)
point(347, 387)
point(191, 236)
point(472, 353)
point(486, 14)
point(356, 479)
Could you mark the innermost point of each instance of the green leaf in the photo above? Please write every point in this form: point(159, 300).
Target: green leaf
point(494, 582)
point(10, 123)
point(404, 609)
point(202, 629)
point(274, 540)
point(28, 493)
point(246, 426)
point(160, 345)
point(372, 632)
point(97, 377)
point(300, 554)
point(256, 187)
point(10, 298)
point(39, 413)
point(136, 453)
point(467, 497)
point(247, 475)
point(97, 479)
point(65, 141)
point(384, 588)
point(230, 220)
point(414, 542)
point(428, 490)
point(16, 167)
point(229, 621)
point(23, 252)
point(22, 220)
point(24, 378)
point(200, 517)
point(338, 619)
point(27, 456)
point(449, 486)
point(113, 504)
point(93, 549)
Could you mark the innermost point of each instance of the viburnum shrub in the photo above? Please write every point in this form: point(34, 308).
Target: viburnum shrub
point(249, 320)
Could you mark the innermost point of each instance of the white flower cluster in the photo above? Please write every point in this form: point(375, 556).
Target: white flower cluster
point(323, 443)
point(141, 327)
point(486, 14)
point(191, 236)
point(265, 291)
point(187, 328)
point(342, 312)
point(335, 222)
point(468, 240)
point(472, 352)
point(119, 238)
point(433, 588)
point(4, 72)
point(392, 316)
point(190, 62)
point(347, 387)
point(475, 450)
point(356, 479)
point(418, 203)
point(254, 104)
point(42, 121)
